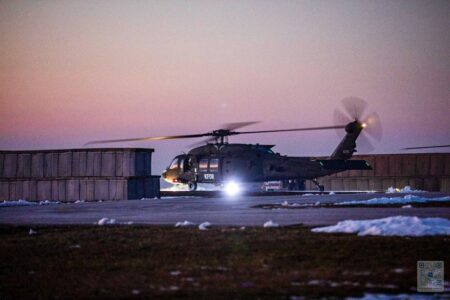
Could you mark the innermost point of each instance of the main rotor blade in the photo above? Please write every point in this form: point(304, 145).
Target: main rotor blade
point(236, 125)
point(158, 138)
point(293, 129)
point(426, 147)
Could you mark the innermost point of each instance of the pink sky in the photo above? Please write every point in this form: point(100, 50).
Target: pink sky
point(74, 71)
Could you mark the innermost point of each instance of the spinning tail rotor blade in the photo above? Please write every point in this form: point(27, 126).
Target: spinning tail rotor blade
point(364, 145)
point(340, 118)
point(373, 126)
point(354, 107)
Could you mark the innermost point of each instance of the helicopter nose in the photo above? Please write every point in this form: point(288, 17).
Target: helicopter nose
point(164, 173)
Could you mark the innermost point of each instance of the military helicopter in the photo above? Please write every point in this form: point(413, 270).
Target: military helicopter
point(220, 162)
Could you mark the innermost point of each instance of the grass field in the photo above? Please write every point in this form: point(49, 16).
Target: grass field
point(221, 263)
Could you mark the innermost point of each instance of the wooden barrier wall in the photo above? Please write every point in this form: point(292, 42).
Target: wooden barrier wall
point(77, 174)
point(425, 171)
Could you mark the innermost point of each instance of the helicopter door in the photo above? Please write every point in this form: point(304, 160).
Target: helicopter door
point(210, 170)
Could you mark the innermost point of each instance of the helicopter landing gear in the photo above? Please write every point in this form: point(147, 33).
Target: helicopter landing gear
point(192, 186)
point(320, 187)
point(295, 184)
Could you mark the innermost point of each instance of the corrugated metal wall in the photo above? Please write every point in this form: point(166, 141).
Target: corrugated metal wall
point(77, 174)
point(425, 171)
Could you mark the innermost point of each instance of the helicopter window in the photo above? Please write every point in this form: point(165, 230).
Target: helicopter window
point(203, 165)
point(174, 164)
point(214, 165)
point(181, 164)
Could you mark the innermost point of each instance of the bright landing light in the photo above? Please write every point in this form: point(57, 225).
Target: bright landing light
point(232, 188)
point(363, 125)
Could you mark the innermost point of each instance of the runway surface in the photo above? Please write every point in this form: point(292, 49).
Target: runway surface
point(236, 211)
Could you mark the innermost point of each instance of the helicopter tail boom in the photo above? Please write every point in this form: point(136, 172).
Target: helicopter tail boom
point(337, 164)
point(347, 146)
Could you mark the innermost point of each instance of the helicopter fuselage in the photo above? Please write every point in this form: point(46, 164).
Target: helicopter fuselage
point(219, 163)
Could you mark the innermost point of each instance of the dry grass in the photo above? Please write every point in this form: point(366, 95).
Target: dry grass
point(165, 262)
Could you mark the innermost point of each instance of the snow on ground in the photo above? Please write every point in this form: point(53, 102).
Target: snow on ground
point(287, 204)
point(26, 203)
point(406, 189)
point(395, 200)
point(204, 226)
point(184, 224)
point(391, 226)
point(106, 221)
point(270, 224)
point(399, 297)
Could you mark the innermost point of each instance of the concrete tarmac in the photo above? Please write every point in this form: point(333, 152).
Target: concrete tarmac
point(228, 211)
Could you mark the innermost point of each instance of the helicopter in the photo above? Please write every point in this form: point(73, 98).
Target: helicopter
point(222, 163)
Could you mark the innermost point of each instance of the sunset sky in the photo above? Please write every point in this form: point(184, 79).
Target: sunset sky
point(75, 71)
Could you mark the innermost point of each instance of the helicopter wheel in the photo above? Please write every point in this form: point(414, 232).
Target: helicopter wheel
point(320, 187)
point(192, 186)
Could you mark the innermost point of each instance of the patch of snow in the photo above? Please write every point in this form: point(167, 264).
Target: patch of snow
point(395, 200)
point(32, 232)
point(398, 270)
point(22, 202)
point(175, 273)
point(314, 282)
point(406, 189)
point(185, 188)
point(369, 296)
point(242, 228)
point(204, 226)
point(184, 224)
point(135, 292)
point(308, 194)
point(331, 193)
point(270, 224)
point(391, 226)
point(47, 202)
point(79, 201)
point(106, 221)
point(407, 206)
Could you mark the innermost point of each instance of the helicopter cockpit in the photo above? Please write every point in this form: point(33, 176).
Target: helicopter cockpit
point(178, 165)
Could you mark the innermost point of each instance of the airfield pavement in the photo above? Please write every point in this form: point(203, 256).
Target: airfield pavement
point(46, 254)
point(222, 211)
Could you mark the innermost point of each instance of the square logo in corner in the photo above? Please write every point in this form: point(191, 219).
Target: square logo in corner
point(430, 276)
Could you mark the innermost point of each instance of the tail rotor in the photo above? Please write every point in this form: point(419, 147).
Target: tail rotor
point(354, 111)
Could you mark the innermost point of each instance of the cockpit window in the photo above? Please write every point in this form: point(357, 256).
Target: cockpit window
point(174, 164)
point(181, 163)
